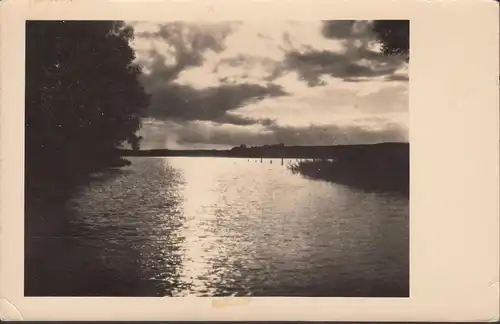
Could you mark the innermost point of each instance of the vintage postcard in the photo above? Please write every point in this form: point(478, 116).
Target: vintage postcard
point(249, 160)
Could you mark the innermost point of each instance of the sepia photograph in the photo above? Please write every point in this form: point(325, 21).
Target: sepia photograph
point(220, 158)
point(249, 161)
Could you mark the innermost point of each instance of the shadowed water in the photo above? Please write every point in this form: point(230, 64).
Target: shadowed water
point(221, 226)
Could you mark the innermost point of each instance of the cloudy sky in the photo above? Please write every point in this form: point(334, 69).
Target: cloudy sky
point(217, 85)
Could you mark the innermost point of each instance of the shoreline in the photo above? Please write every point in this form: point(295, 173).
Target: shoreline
point(273, 151)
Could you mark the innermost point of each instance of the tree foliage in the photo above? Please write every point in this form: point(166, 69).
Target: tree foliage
point(83, 96)
point(394, 35)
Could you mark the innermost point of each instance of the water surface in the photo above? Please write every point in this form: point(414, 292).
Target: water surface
point(219, 226)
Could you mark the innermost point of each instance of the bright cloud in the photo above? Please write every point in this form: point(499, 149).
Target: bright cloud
point(370, 104)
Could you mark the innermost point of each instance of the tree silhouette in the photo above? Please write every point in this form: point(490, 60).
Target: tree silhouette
point(83, 97)
point(394, 35)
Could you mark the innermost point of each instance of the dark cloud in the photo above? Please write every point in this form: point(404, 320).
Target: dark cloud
point(238, 120)
point(187, 103)
point(397, 77)
point(247, 63)
point(155, 134)
point(180, 133)
point(188, 44)
point(311, 65)
point(349, 30)
point(177, 30)
point(339, 29)
point(313, 135)
point(359, 61)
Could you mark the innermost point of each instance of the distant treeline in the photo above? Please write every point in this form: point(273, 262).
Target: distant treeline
point(282, 151)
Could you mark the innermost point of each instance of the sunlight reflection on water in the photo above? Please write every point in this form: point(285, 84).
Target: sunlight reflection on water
point(217, 226)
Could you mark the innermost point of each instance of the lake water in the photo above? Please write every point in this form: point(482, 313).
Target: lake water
point(219, 226)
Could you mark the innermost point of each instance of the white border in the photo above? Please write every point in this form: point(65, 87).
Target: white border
point(454, 120)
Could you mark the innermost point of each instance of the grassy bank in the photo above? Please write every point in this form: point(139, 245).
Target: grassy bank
point(370, 170)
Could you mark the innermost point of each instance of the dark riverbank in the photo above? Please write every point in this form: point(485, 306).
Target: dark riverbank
point(277, 151)
point(50, 181)
point(369, 169)
point(49, 226)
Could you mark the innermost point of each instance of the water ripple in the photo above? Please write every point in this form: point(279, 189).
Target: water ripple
point(218, 227)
